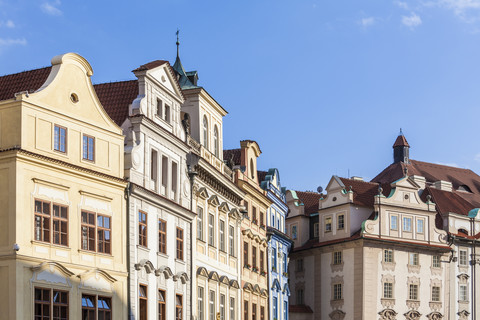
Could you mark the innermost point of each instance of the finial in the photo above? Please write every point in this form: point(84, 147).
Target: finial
point(380, 190)
point(429, 198)
point(400, 134)
point(405, 171)
point(178, 42)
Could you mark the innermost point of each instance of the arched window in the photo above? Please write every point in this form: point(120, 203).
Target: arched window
point(252, 169)
point(205, 132)
point(215, 141)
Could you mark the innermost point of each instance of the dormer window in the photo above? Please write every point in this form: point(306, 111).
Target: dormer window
point(464, 188)
point(215, 141)
point(205, 132)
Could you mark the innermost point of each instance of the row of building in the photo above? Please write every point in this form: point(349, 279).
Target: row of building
point(119, 202)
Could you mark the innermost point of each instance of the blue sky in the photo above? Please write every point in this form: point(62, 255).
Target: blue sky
point(322, 86)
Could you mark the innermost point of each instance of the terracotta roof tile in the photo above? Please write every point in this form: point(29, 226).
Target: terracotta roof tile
point(151, 65)
point(116, 98)
point(364, 192)
point(447, 201)
point(29, 81)
point(233, 154)
point(310, 200)
point(401, 142)
point(299, 308)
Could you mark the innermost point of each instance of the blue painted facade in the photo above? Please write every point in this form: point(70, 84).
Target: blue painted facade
point(279, 245)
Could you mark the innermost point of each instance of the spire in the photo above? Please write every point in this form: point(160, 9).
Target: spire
point(187, 80)
point(178, 45)
point(401, 149)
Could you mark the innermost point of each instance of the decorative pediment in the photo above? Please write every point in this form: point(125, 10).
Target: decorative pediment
point(147, 264)
point(224, 280)
point(235, 214)
point(224, 207)
point(213, 275)
point(412, 315)
point(337, 315)
point(52, 272)
point(234, 284)
point(203, 193)
point(434, 316)
point(166, 271)
point(96, 279)
point(264, 293)
point(248, 287)
point(463, 277)
point(286, 289)
point(388, 314)
point(248, 233)
point(182, 276)
point(276, 285)
point(256, 289)
point(213, 200)
point(463, 315)
point(201, 271)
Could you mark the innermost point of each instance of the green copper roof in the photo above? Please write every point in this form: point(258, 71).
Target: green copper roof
point(184, 82)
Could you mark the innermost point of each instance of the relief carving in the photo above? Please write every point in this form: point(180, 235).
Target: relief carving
point(387, 314)
point(435, 316)
point(337, 315)
point(412, 315)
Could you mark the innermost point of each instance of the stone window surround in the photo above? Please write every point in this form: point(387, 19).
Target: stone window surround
point(388, 303)
point(338, 303)
point(390, 266)
point(413, 304)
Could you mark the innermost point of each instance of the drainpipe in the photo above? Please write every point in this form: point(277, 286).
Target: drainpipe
point(473, 265)
point(191, 175)
point(127, 197)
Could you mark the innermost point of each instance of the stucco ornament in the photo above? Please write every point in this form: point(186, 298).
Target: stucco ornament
point(435, 316)
point(412, 315)
point(337, 315)
point(387, 314)
point(463, 315)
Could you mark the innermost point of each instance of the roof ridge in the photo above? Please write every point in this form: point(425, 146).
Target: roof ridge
point(441, 165)
point(112, 82)
point(360, 181)
point(25, 71)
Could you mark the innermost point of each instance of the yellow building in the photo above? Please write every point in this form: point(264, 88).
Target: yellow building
point(253, 228)
point(62, 217)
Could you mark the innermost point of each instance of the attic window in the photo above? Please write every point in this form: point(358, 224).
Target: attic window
point(464, 188)
point(74, 97)
point(463, 231)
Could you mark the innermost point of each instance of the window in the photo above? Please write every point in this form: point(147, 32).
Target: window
point(159, 108)
point(179, 243)
point(394, 222)
point(211, 226)
point(142, 297)
point(200, 223)
point(153, 166)
point(162, 236)
point(245, 203)
point(245, 253)
point(222, 235)
point(436, 262)
point(164, 174)
point(275, 308)
point(462, 257)
point(337, 291)
point(88, 231)
point(178, 307)
point(174, 181)
point(388, 255)
point(47, 307)
point(420, 223)
point(294, 232)
point(211, 306)
point(299, 265)
point(285, 265)
point(167, 113)
point(262, 261)
point(413, 259)
point(103, 233)
point(337, 257)
point(205, 132)
point(200, 304)
point(262, 218)
point(245, 310)
point(232, 308)
point(142, 228)
point(60, 139)
point(231, 240)
point(388, 290)
point(216, 146)
point(328, 224)
point(254, 215)
point(274, 259)
point(254, 311)
point(315, 230)
point(413, 292)
point(285, 310)
point(254, 257)
point(162, 313)
point(42, 221)
point(222, 307)
point(262, 313)
point(463, 293)
point(300, 297)
point(96, 307)
point(340, 222)
point(435, 293)
point(59, 222)
point(407, 224)
point(88, 148)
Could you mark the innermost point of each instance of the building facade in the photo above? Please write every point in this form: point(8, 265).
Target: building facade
point(63, 216)
point(279, 245)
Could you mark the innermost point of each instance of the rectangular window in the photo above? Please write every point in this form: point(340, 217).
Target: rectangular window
point(231, 241)
point(463, 293)
point(88, 231)
point(245, 309)
point(179, 243)
point(89, 307)
point(104, 308)
point(315, 230)
point(254, 215)
point(245, 203)
point(211, 306)
point(167, 113)
point(159, 108)
point(294, 232)
point(285, 310)
point(245, 254)
point(388, 290)
point(407, 224)
point(60, 139)
point(103, 234)
point(174, 181)
point(42, 221)
point(211, 230)
point(435, 293)
point(200, 304)
point(462, 257)
point(388, 255)
point(299, 265)
point(142, 301)
point(232, 308)
point(162, 311)
point(274, 259)
point(328, 224)
point(340, 222)
point(96, 307)
point(222, 307)
point(337, 291)
point(413, 292)
point(394, 222)
point(162, 236)
point(154, 166)
point(275, 308)
point(164, 174)
point(178, 307)
point(262, 313)
point(436, 262)
point(254, 311)
point(262, 260)
point(254, 257)
point(59, 222)
point(420, 223)
point(142, 228)
point(88, 148)
point(337, 257)
point(262, 222)
point(222, 235)
point(413, 259)
point(45, 308)
point(200, 223)
point(300, 297)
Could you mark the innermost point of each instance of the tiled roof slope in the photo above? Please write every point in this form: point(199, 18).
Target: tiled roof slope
point(29, 81)
point(435, 172)
point(310, 200)
point(447, 201)
point(151, 65)
point(364, 192)
point(401, 142)
point(234, 154)
point(116, 98)
point(261, 175)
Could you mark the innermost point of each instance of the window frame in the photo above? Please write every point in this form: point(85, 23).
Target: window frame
point(96, 308)
point(162, 305)
point(200, 223)
point(388, 256)
point(142, 299)
point(200, 306)
point(436, 264)
point(211, 304)
point(178, 307)
point(413, 292)
point(179, 242)
point(405, 225)
point(162, 236)
point(388, 290)
point(413, 259)
point(59, 142)
point(337, 291)
point(87, 149)
point(221, 236)
point(337, 258)
point(341, 226)
point(51, 303)
point(463, 257)
point(142, 235)
point(394, 226)
point(420, 222)
point(436, 295)
point(211, 230)
point(88, 225)
point(231, 240)
point(104, 230)
point(328, 224)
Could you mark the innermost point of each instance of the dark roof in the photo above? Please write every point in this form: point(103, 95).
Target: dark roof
point(401, 142)
point(116, 98)
point(447, 201)
point(29, 81)
point(435, 172)
point(150, 65)
point(261, 175)
point(310, 200)
point(183, 80)
point(299, 308)
point(364, 192)
point(233, 154)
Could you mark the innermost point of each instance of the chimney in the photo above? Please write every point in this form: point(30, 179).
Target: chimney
point(443, 185)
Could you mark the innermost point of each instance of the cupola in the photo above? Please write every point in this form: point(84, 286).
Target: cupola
point(401, 149)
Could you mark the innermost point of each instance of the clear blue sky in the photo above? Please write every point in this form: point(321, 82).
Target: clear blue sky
point(322, 86)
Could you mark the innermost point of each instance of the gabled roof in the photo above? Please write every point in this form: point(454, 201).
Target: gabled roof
point(310, 200)
point(150, 65)
point(116, 98)
point(364, 192)
point(29, 81)
point(233, 154)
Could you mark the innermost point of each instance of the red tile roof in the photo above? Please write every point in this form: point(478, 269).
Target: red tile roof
point(233, 154)
point(29, 81)
point(310, 200)
point(364, 192)
point(150, 65)
point(401, 142)
point(116, 98)
point(299, 308)
point(447, 201)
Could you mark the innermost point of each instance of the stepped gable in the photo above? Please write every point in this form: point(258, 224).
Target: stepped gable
point(116, 98)
point(233, 154)
point(364, 192)
point(29, 81)
point(310, 200)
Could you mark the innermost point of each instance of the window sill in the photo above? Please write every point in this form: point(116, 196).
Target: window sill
point(161, 254)
point(50, 245)
point(108, 255)
point(143, 248)
point(180, 261)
